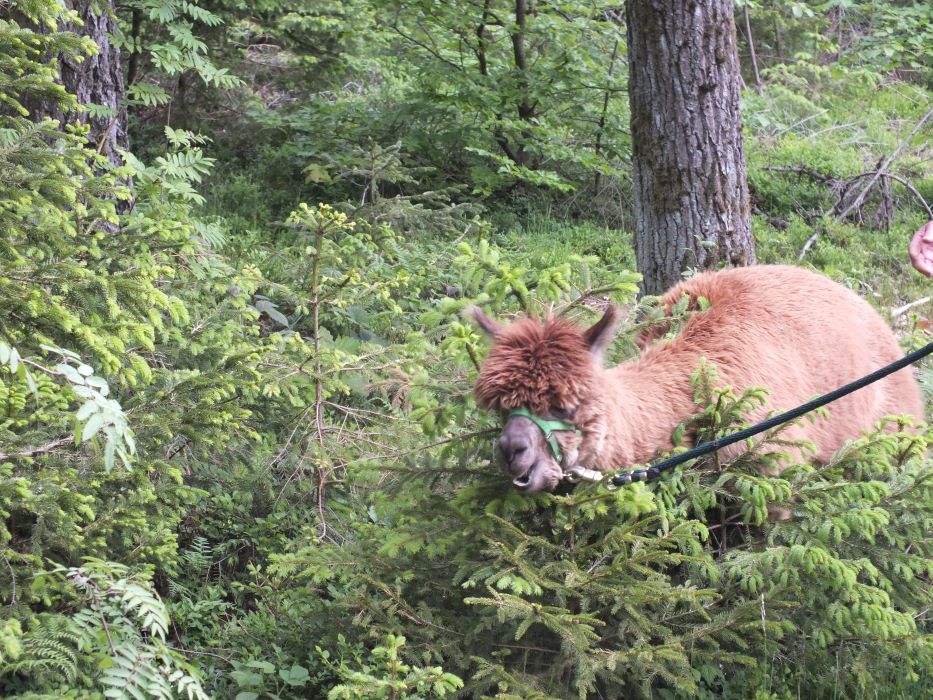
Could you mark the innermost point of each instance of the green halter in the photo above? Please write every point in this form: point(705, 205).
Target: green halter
point(548, 427)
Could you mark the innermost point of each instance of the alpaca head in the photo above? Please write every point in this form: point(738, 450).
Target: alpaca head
point(552, 370)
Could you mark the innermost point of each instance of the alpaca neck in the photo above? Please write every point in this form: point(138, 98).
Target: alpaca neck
point(644, 400)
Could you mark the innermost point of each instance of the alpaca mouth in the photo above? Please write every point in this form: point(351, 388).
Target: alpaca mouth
point(523, 481)
point(536, 478)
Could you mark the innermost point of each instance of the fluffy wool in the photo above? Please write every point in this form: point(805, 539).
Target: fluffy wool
point(537, 366)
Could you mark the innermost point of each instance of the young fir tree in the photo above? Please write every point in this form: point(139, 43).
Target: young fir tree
point(95, 373)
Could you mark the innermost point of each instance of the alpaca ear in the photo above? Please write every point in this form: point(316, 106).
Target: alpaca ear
point(486, 324)
point(600, 336)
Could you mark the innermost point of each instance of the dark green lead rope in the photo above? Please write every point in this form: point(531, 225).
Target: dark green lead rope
point(655, 470)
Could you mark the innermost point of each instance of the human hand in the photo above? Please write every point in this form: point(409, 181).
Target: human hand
point(921, 249)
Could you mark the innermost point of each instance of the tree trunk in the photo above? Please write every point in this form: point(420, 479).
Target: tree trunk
point(98, 80)
point(691, 193)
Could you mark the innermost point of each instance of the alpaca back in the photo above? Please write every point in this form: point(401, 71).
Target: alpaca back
point(796, 333)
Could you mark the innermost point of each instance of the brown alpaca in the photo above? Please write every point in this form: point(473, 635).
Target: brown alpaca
point(792, 331)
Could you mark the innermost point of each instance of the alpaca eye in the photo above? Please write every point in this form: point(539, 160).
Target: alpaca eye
point(561, 413)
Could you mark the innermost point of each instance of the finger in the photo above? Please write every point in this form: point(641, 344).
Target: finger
point(916, 245)
point(922, 264)
point(925, 232)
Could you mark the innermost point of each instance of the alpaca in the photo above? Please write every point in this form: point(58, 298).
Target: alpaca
point(790, 330)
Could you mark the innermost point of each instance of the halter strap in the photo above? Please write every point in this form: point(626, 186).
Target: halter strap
point(548, 427)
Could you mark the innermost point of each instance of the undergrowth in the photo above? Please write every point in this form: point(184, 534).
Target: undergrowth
point(239, 453)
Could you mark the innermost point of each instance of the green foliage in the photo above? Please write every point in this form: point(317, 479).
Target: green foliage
point(173, 46)
point(387, 676)
point(884, 36)
point(239, 455)
point(458, 105)
point(505, 83)
point(113, 645)
point(103, 271)
point(808, 147)
point(25, 74)
point(899, 35)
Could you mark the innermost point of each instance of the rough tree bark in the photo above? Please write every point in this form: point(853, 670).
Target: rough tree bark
point(98, 79)
point(691, 193)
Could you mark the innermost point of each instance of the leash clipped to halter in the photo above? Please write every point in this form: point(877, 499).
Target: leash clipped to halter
point(655, 470)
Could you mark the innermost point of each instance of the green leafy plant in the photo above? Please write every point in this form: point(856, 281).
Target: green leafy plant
point(386, 676)
point(115, 642)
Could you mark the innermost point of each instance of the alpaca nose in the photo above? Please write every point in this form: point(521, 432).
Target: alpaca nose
point(513, 446)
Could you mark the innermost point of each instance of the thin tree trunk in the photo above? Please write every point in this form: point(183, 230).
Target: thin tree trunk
point(526, 110)
point(514, 152)
point(132, 69)
point(777, 34)
point(751, 48)
point(601, 124)
point(691, 193)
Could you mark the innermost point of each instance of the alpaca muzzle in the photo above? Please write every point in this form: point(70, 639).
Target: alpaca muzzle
point(548, 428)
point(521, 456)
point(531, 453)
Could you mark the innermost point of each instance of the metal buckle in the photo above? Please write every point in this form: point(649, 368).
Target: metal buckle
point(577, 474)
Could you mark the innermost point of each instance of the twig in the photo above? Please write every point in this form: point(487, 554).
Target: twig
point(873, 174)
point(809, 244)
point(881, 168)
point(801, 121)
point(298, 423)
point(348, 410)
point(885, 214)
point(48, 447)
point(12, 581)
point(764, 629)
point(523, 647)
point(832, 181)
point(445, 441)
point(901, 310)
point(601, 124)
point(103, 619)
point(800, 170)
point(434, 52)
point(751, 48)
point(318, 382)
point(913, 191)
point(199, 653)
point(105, 137)
point(897, 178)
